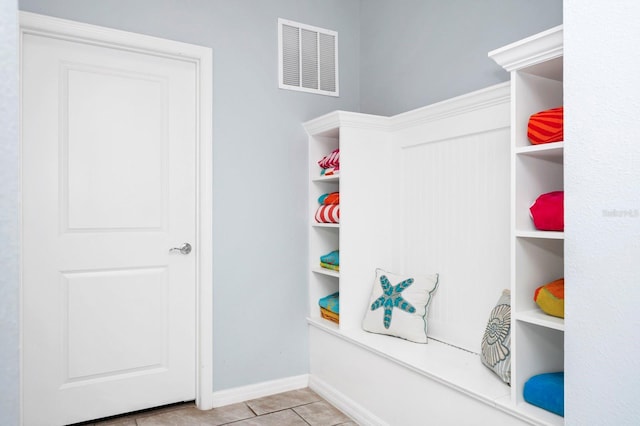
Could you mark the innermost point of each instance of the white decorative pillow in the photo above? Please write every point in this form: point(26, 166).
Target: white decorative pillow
point(399, 305)
point(496, 341)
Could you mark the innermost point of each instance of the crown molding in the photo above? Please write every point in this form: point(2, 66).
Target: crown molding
point(531, 50)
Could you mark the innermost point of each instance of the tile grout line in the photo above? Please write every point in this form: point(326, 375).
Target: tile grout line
point(275, 411)
point(257, 416)
point(298, 414)
point(328, 403)
point(251, 409)
point(177, 407)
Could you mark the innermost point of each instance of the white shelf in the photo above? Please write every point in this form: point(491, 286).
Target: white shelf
point(322, 323)
point(331, 178)
point(325, 225)
point(549, 151)
point(551, 235)
point(543, 417)
point(325, 271)
point(530, 413)
point(538, 317)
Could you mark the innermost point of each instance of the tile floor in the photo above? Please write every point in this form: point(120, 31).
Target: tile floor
point(299, 407)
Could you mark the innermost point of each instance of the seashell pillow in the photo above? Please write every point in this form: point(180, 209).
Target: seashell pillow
point(496, 341)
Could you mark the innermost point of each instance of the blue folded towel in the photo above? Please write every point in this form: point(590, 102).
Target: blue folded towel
point(546, 391)
point(331, 302)
point(332, 258)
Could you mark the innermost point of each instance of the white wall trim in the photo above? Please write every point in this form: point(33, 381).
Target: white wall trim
point(463, 104)
point(348, 406)
point(201, 57)
point(326, 125)
point(258, 390)
point(478, 100)
point(33, 23)
point(532, 50)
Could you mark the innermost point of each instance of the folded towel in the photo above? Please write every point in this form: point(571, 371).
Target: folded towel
point(546, 126)
point(331, 160)
point(332, 258)
point(331, 302)
point(330, 266)
point(329, 198)
point(328, 214)
point(546, 391)
point(330, 171)
point(547, 211)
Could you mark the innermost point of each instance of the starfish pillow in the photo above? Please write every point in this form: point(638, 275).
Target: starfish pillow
point(399, 305)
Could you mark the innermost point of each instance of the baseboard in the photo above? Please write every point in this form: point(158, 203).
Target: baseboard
point(258, 390)
point(357, 412)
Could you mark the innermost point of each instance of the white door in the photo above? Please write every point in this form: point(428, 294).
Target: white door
point(109, 187)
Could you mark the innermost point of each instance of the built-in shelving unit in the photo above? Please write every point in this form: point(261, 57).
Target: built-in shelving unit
point(537, 257)
point(399, 179)
point(324, 237)
point(363, 143)
point(375, 230)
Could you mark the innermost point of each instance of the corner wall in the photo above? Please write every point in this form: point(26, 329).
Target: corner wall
point(418, 52)
point(9, 222)
point(260, 163)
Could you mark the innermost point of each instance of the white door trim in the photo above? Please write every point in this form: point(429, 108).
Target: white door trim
point(201, 57)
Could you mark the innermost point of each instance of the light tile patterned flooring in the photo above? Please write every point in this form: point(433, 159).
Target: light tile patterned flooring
point(301, 407)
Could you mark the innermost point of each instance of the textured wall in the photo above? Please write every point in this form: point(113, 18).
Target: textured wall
point(602, 213)
point(260, 165)
point(417, 52)
point(9, 225)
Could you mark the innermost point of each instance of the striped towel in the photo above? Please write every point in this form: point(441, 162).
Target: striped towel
point(546, 126)
point(331, 160)
point(328, 213)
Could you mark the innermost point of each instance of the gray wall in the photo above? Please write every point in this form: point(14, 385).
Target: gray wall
point(9, 205)
point(260, 165)
point(417, 52)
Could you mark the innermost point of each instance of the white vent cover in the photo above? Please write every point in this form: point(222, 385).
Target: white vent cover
point(308, 58)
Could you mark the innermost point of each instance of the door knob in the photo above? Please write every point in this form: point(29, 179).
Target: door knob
point(183, 249)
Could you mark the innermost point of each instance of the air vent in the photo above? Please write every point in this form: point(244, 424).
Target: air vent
point(308, 58)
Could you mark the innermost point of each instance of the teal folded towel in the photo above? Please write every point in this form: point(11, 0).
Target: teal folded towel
point(331, 303)
point(332, 258)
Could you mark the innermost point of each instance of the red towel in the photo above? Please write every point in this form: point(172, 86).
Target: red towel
point(546, 126)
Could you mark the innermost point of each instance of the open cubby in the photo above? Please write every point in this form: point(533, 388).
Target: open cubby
point(538, 261)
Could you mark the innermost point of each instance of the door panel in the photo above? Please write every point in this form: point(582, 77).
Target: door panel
point(109, 186)
point(104, 152)
point(90, 298)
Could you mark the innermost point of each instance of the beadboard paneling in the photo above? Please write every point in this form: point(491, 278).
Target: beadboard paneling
point(454, 220)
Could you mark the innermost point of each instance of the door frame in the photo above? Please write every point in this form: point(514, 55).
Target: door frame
point(201, 57)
